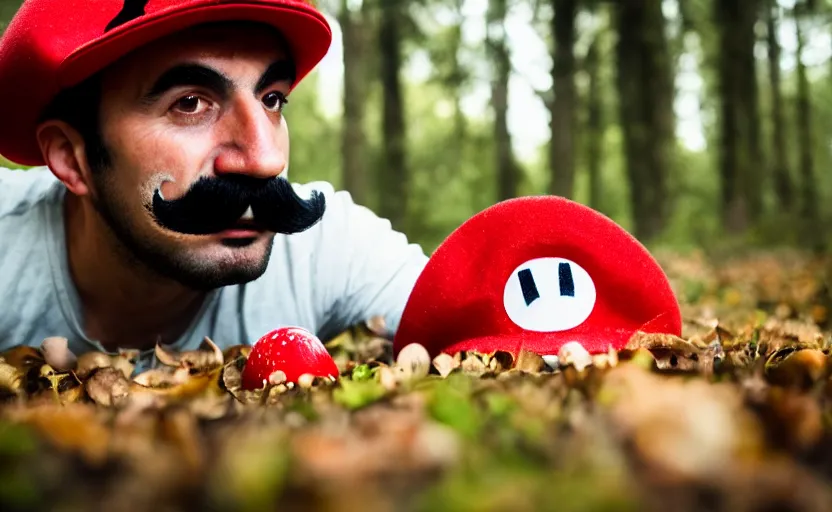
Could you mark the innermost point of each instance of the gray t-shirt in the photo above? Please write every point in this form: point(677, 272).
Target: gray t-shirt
point(349, 267)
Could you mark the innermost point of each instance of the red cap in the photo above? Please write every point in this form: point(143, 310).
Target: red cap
point(535, 273)
point(52, 44)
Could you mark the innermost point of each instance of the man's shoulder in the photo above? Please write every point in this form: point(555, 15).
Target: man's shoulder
point(22, 190)
point(342, 211)
point(340, 214)
point(25, 199)
point(301, 248)
point(25, 270)
point(335, 198)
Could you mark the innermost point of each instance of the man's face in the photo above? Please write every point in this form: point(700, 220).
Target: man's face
point(205, 104)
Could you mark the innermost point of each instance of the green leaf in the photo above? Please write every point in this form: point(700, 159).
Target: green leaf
point(362, 372)
point(452, 405)
point(356, 394)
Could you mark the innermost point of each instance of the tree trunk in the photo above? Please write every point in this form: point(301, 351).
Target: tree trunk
point(507, 172)
point(686, 16)
point(393, 175)
point(354, 166)
point(645, 89)
point(562, 119)
point(594, 124)
point(812, 235)
point(739, 137)
point(755, 135)
point(458, 75)
point(783, 188)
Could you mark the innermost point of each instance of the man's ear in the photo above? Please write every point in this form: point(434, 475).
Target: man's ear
point(63, 150)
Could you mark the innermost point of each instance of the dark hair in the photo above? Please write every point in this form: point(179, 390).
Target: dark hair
point(80, 107)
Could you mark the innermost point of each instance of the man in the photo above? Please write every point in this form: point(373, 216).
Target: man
point(161, 211)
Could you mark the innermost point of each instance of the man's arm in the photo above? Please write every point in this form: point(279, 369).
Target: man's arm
point(368, 268)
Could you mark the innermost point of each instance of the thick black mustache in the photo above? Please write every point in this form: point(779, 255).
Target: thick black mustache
point(212, 205)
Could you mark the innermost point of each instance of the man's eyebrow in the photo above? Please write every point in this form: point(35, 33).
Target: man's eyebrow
point(188, 75)
point(278, 71)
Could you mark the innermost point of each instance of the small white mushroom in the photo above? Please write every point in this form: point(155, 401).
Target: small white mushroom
point(57, 354)
point(573, 353)
point(413, 362)
point(278, 377)
point(306, 381)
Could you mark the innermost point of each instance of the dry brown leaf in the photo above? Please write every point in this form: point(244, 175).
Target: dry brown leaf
point(63, 388)
point(189, 388)
point(530, 362)
point(11, 380)
point(234, 352)
point(108, 387)
point(180, 428)
point(683, 429)
point(124, 362)
point(382, 442)
point(776, 335)
point(207, 357)
point(445, 364)
point(606, 360)
point(373, 348)
point(162, 377)
point(671, 352)
point(794, 367)
point(77, 429)
point(794, 419)
point(471, 363)
point(91, 361)
point(498, 361)
point(23, 357)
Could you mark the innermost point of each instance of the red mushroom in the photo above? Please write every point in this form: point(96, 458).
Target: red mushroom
point(291, 350)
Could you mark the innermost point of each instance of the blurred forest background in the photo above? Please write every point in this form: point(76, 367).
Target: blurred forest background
point(693, 123)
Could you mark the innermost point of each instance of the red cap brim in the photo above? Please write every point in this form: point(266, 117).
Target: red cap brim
point(305, 30)
point(596, 339)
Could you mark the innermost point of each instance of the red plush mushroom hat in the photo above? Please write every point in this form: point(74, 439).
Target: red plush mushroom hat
point(536, 273)
point(52, 44)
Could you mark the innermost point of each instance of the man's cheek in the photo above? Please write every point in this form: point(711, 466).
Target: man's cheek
point(162, 181)
point(283, 142)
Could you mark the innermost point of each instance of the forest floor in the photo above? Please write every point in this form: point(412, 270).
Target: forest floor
point(734, 415)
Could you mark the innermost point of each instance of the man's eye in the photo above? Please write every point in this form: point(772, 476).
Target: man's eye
point(275, 101)
point(188, 104)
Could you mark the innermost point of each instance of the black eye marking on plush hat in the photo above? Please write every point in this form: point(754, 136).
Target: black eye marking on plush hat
point(132, 9)
point(567, 284)
point(527, 285)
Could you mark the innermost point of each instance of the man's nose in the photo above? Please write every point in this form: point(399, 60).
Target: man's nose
point(250, 141)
